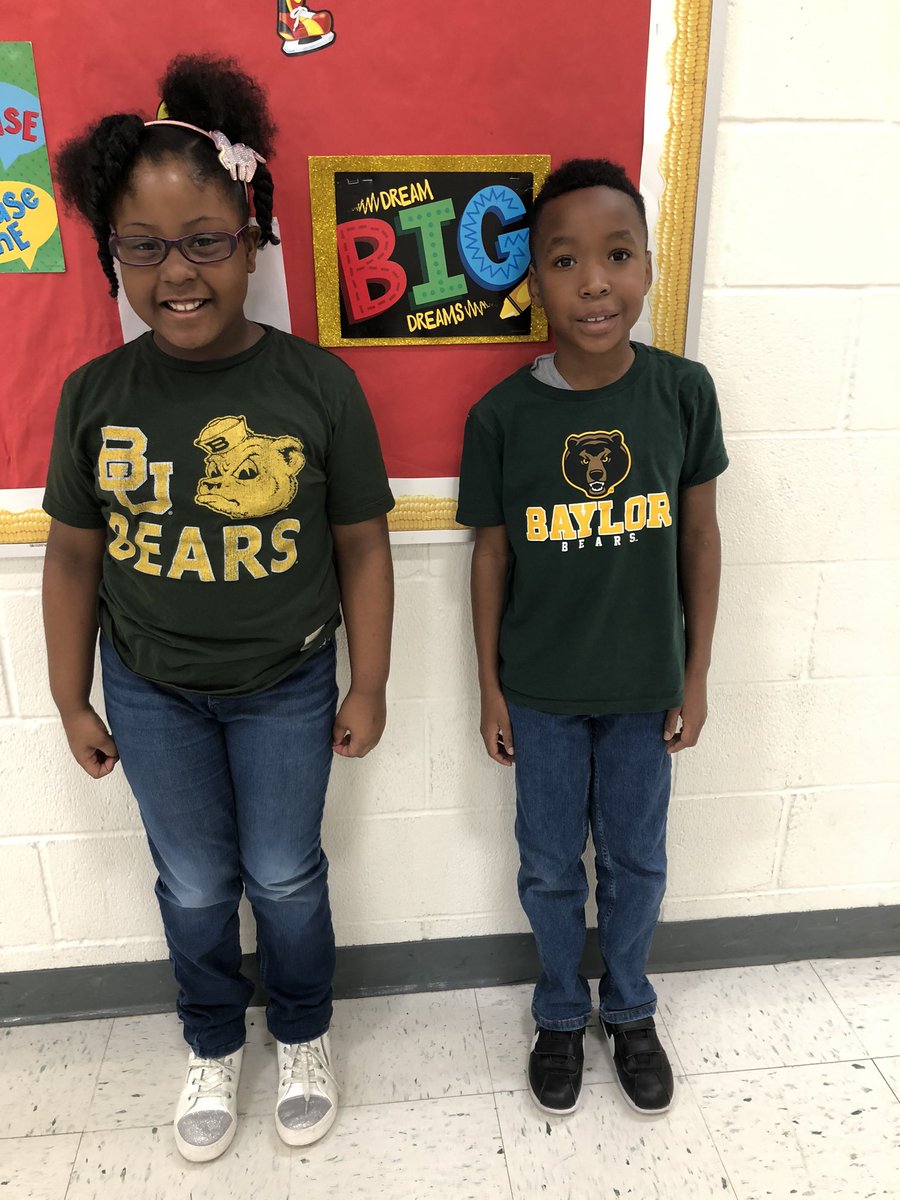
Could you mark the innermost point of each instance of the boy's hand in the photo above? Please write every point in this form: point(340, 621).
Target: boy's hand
point(91, 745)
point(692, 713)
point(496, 731)
point(359, 724)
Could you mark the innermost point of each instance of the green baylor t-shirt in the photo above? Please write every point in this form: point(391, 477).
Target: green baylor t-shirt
point(587, 484)
point(217, 483)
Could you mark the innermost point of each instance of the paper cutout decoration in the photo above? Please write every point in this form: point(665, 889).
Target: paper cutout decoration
point(29, 224)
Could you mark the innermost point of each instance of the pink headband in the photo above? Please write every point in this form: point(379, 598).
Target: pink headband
point(238, 160)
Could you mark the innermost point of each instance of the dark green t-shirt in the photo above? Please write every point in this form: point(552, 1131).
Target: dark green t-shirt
point(587, 485)
point(218, 483)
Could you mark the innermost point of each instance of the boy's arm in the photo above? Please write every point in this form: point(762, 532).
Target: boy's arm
point(489, 564)
point(362, 555)
point(699, 566)
point(72, 569)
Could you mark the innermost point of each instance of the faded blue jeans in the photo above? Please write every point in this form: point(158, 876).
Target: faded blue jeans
point(231, 791)
point(612, 775)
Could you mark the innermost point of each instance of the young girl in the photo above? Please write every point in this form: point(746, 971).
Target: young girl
point(217, 491)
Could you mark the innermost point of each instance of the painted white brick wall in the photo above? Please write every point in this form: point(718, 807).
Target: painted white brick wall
point(791, 801)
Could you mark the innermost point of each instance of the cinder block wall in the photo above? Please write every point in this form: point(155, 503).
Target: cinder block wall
point(791, 801)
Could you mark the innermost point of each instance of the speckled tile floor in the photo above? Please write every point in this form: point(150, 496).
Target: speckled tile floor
point(788, 1085)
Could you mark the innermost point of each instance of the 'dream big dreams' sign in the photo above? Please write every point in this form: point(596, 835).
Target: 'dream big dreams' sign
point(414, 251)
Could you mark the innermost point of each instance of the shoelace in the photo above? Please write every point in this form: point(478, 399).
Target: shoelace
point(212, 1078)
point(300, 11)
point(306, 1067)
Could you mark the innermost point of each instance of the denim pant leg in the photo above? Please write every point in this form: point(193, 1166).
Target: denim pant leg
point(172, 751)
point(279, 748)
point(552, 765)
point(629, 805)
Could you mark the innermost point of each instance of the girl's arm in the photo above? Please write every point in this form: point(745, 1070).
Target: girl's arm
point(362, 555)
point(72, 569)
point(489, 564)
point(699, 567)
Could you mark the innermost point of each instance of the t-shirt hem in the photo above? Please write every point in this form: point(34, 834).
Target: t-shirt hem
point(705, 474)
point(377, 508)
point(594, 707)
point(479, 520)
point(76, 520)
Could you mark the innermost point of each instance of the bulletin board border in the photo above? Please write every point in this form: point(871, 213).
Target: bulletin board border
point(679, 165)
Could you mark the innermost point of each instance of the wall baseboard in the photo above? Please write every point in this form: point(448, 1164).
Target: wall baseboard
point(127, 989)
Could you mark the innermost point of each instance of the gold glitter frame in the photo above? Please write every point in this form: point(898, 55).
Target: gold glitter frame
point(322, 170)
point(688, 60)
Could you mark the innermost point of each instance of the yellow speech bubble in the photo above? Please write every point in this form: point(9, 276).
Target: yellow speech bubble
point(27, 219)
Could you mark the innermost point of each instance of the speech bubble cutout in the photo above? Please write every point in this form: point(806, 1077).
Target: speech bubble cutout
point(24, 229)
point(21, 123)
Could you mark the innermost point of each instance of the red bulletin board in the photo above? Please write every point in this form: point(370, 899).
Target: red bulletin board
point(415, 78)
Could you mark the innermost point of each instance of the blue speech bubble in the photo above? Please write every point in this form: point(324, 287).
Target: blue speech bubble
point(20, 133)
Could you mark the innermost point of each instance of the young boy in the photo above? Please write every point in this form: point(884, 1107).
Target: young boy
point(591, 480)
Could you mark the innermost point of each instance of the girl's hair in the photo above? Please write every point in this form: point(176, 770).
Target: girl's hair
point(94, 170)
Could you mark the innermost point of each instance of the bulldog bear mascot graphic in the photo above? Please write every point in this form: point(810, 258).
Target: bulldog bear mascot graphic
point(247, 474)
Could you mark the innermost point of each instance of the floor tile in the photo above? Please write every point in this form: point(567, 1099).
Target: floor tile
point(414, 1047)
point(49, 1073)
point(867, 991)
point(429, 1150)
point(890, 1069)
point(748, 1017)
point(144, 1066)
point(508, 1028)
point(37, 1168)
point(607, 1150)
point(143, 1164)
point(831, 1132)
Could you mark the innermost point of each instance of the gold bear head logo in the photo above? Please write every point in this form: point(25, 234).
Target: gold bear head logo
point(247, 474)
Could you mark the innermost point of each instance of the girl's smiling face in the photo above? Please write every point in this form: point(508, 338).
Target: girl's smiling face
point(196, 310)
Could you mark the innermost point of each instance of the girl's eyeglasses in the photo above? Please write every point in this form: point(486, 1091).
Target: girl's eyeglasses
point(140, 250)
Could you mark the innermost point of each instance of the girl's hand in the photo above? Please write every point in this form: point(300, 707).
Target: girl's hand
point(692, 713)
point(496, 731)
point(359, 724)
point(91, 745)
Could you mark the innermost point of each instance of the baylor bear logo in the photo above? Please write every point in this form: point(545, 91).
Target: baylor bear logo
point(247, 474)
point(596, 462)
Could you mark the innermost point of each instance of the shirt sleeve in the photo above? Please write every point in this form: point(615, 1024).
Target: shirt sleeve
point(705, 456)
point(357, 481)
point(70, 495)
point(480, 474)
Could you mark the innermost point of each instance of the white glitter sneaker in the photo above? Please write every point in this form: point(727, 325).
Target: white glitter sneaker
point(206, 1113)
point(307, 1091)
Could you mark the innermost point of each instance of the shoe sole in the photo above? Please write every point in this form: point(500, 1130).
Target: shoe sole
point(205, 1153)
point(305, 1137)
point(307, 48)
point(645, 1112)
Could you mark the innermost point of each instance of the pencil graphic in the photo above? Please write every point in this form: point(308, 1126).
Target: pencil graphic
point(517, 301)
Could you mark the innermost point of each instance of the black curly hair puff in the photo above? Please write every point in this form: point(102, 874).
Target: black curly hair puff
point(94, 169)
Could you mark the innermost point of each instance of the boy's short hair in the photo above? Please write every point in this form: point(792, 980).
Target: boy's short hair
point(579, 173)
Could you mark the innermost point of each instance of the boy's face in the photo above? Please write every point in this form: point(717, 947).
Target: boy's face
point(591, 272)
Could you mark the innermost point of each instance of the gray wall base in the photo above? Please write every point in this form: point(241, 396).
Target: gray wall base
point(125, 989)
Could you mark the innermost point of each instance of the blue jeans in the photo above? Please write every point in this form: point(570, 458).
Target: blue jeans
point(231, 791)
point(610, 774)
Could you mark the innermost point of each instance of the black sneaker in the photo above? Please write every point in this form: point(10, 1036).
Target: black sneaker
point(554, 1070)
point(642, 1066)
